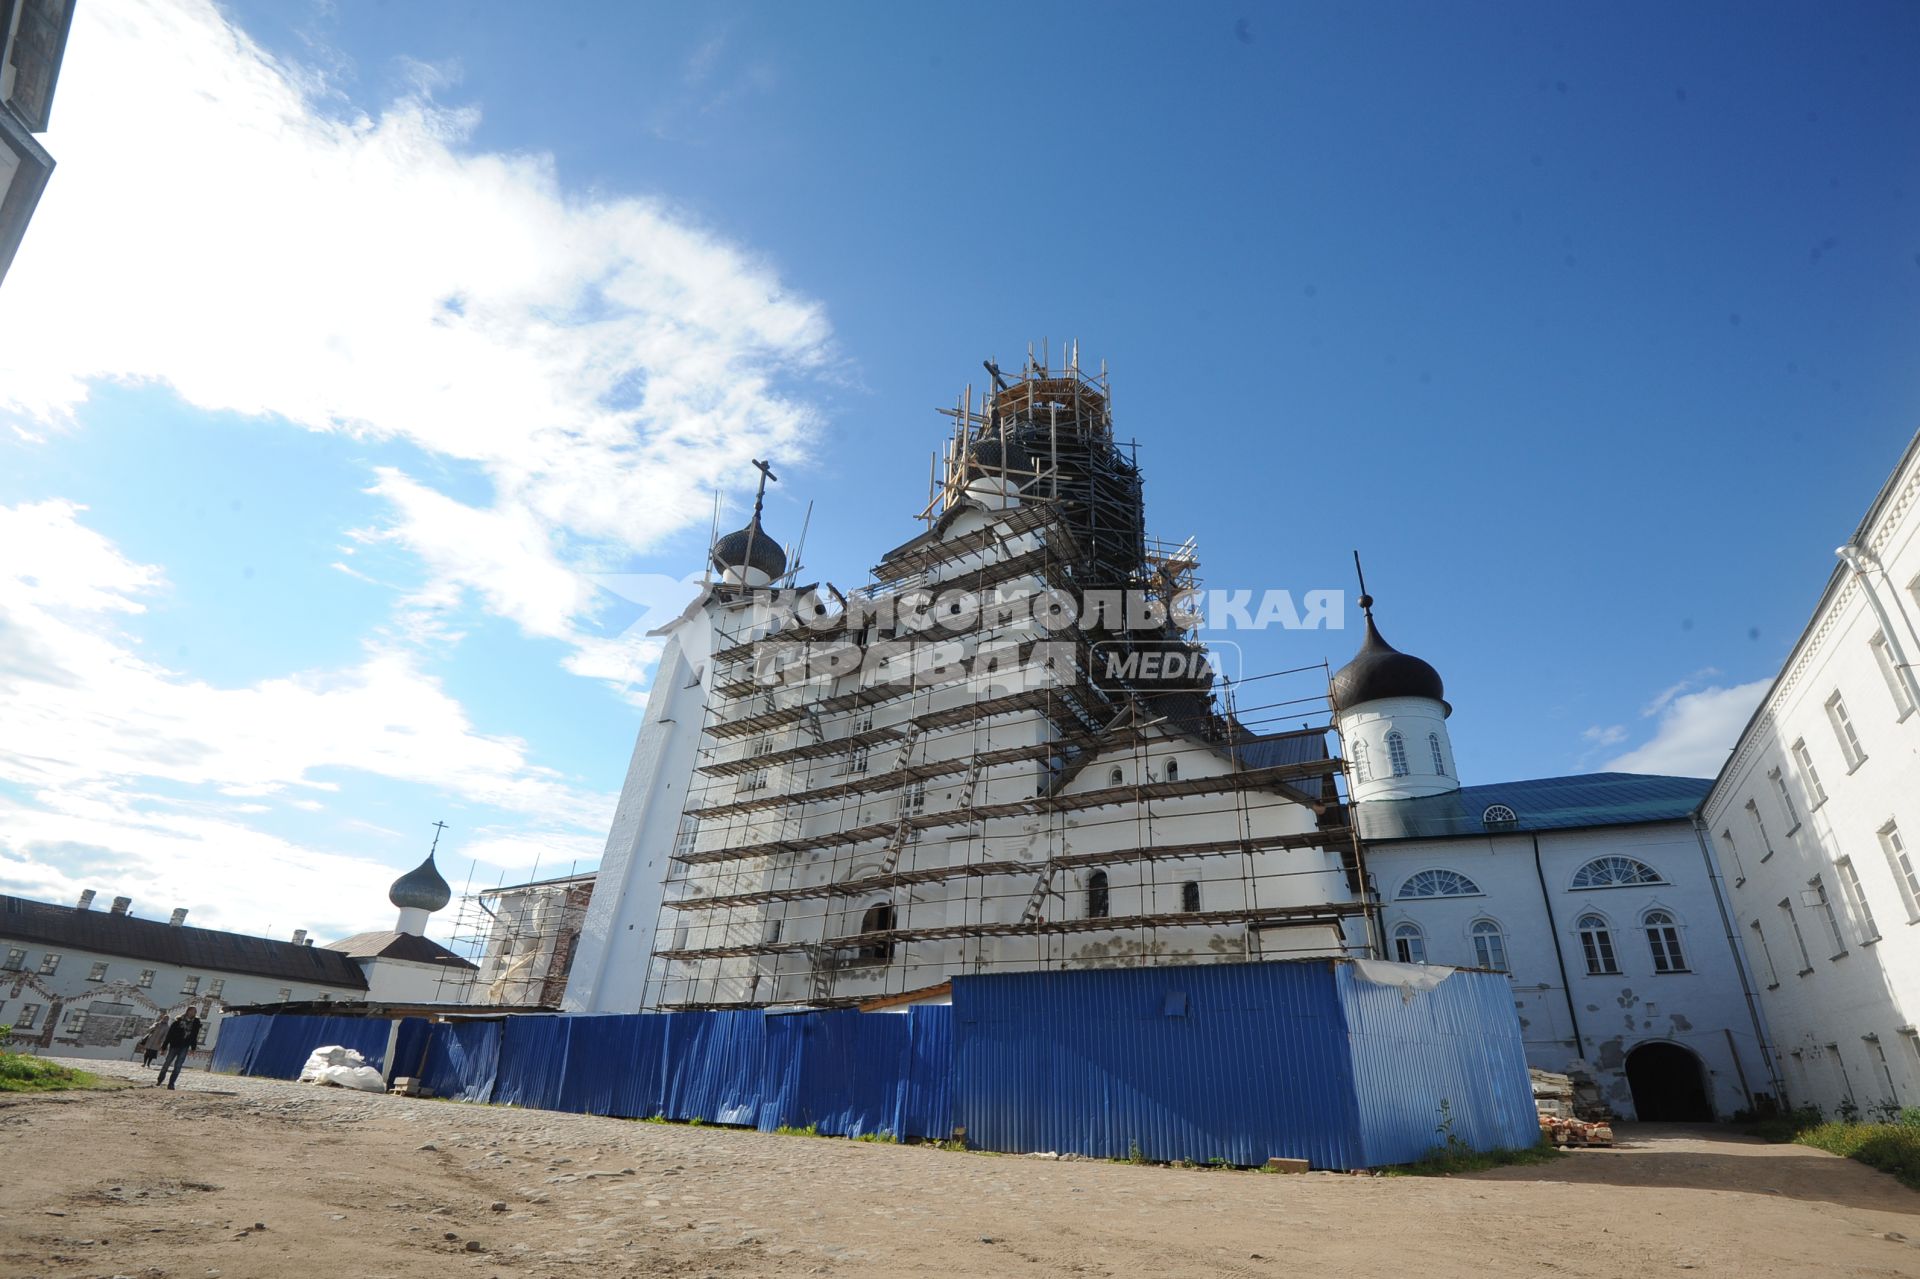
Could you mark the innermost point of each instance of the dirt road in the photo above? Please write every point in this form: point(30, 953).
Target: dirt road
point(238, 1177)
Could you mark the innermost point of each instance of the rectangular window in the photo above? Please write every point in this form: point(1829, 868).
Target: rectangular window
point(1809, 776)
point(285, 995)
point(76, 1020)
point(219, 984)
point(1766, 957)
point(1597, 943)
point(1793, 925)
point(915, 798)
point(146, 978)
point(1733, 855)
point(97, 973)
point(16, 959)
point(1663, 939)
point(191, 986)
point(687, 837)
point(1823, 905)
point(861, 754)
point(1850, 748)
point(1863, 926)
point(1786, 800)
point(1760, 826)
point(1901, 863)
point(29, 1013)
point(49, 964)
point(1890, 671)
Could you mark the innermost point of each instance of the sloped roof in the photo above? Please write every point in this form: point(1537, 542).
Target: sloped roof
point(1540, 803)
point(106, 933)
point(395, 945)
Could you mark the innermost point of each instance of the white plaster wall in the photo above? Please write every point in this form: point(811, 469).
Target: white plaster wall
point(69, 988)
point(1844, 1019)
point(1416, 718)
point(406, 981)
point(1703, 1009)
point(610, 968)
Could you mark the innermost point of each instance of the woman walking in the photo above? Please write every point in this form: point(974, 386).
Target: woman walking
point(151, 1041)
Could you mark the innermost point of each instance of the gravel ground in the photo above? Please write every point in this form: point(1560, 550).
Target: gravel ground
point(249, 1177)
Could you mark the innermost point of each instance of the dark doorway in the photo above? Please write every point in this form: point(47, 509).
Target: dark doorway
point(1668, 1085)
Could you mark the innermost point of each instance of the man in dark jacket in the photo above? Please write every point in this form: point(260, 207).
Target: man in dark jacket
point(182, 1038)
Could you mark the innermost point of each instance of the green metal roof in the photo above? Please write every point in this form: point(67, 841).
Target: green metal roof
point(1542, 803)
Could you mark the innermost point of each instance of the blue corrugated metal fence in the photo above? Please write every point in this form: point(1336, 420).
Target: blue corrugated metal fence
point(1343, 1064)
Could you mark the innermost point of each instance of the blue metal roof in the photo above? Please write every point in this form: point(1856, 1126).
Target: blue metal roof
point(1540, 803)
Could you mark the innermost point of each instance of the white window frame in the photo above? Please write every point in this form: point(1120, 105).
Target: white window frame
point(1844, 732)
point(190, 984)
point(1409, 943)
point(1809, 776)
point(1760, 825)
point(1664, 941)
point(1574, 884)
point(1906, 874)
point(1818, 899)
point(1397, 753)
point(1471, 888)
point(1596, 945)
point(1890, 671)
point(1766, 955)
point(214, 987)
point(29, 1014)
point(1360, 770)
point(1858, 907)
point(146, 979)
point(285, 995)
point(1799, 938)
point(16, 960)
point(76, 1020)
point(1439, 756)
point(49, 964)
point(1490, 945)
point(98, 972)
point(914, 798)
point(1733, 850)
point(1787, 806)
point(862, 755)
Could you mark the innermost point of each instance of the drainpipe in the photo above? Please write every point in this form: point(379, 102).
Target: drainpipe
point(1856, 559)
point(1739, 964)
point(1553, 930)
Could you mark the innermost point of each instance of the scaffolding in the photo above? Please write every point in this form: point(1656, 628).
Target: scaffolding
point(946, 771)
point(522, 937)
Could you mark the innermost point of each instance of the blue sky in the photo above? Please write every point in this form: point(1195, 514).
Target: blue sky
point(354, 342)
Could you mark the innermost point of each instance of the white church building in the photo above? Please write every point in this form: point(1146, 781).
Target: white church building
point(1596, 894)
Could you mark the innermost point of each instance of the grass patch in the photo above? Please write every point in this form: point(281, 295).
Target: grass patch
point(1892, 1147)
point(20, 1072)
point(882, 1136)
point(787, 1130)
point(1447, 1161)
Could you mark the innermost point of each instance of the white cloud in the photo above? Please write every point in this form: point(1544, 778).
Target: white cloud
point(132, 770)
point(1607, 735)
point(1694, 731)
point(222, 224)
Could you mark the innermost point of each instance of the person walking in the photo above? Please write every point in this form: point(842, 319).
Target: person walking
point(151, 1041)
point(182, 1038)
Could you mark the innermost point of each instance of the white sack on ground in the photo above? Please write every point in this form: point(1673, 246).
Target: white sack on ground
point(342, 1068)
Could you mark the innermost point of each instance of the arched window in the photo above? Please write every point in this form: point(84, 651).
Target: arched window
point(1098, 900)
point(1409, 944)
point(1173, 770)
point(1663, 939)
point(1360, 773)
point(1498, 815)
point(1397, 753)
point(1596, 939)
point(1490, 945)
point(1438, 883)
point(878, 920)
point(1439, 757)
point(1190, 897)
point(1615, 872)
point(1115, 778)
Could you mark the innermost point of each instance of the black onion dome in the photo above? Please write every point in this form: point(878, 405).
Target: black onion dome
point(1380, 670)
point(990, 456)
point(732, 551)
point(420, 888)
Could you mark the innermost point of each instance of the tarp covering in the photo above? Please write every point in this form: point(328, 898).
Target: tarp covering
point(1344, 1065)
point(277, 1047)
